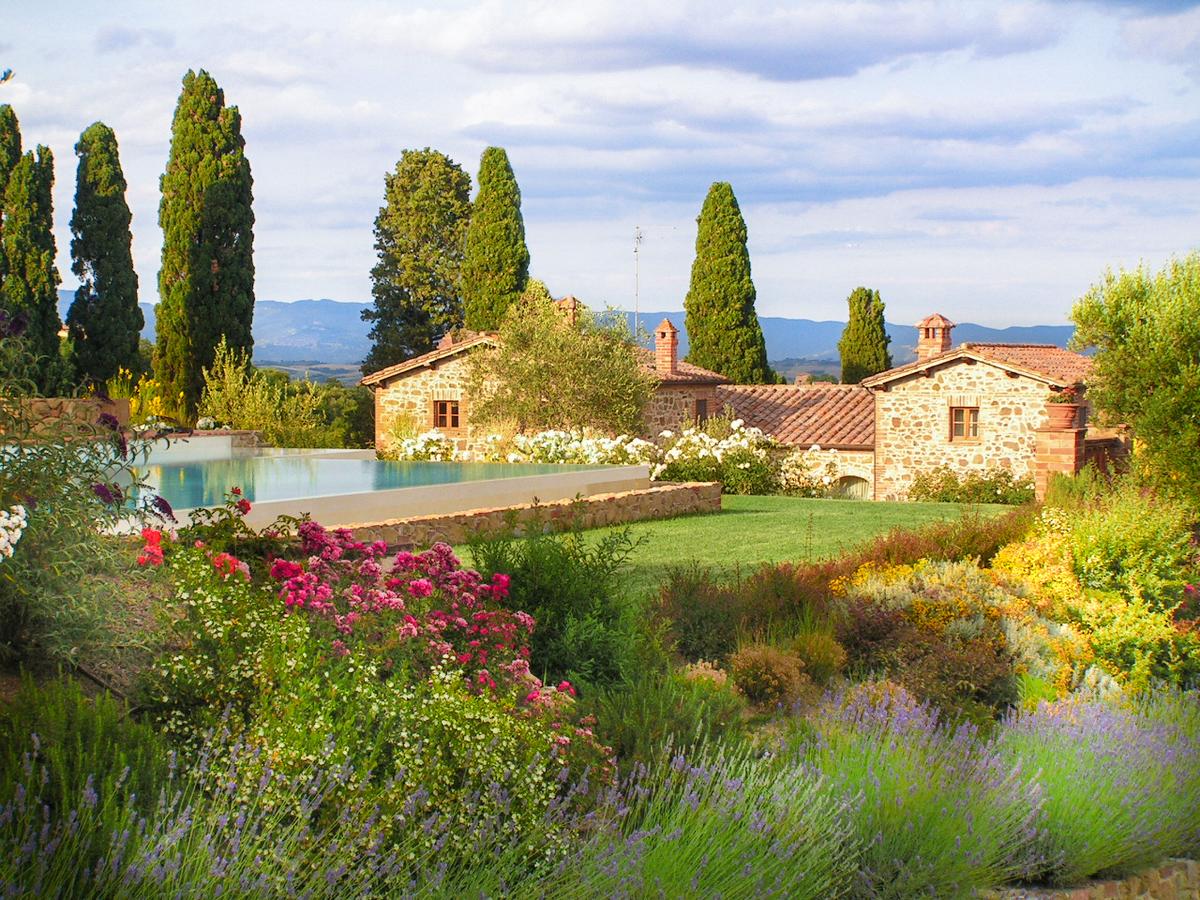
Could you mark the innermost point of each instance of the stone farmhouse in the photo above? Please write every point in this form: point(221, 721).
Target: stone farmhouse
point(975, 407)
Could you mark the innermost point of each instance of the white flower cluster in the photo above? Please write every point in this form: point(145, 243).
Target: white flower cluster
point(571, 448)
point(432, 446)
point(802, 472)
point(12, 524)
point(696, 445)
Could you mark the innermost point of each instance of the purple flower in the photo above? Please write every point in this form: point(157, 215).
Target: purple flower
point(162, 507)
point(108, 420)
point(109, 494)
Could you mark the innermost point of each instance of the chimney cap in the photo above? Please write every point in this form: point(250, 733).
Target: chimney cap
point(665, 325)
point(937, 320)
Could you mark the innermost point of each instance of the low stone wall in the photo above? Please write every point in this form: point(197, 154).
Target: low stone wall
point(658, 502)
point(1176, 879)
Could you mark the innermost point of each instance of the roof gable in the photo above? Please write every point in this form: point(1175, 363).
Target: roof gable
point(444, 350)
point(1047, 363)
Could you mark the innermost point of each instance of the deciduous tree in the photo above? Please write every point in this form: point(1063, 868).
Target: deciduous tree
point(104, 322)
point(1146, 329)
point(723, 330)
point(496, 261)
point(419, 235)
point(864, 343)
point(549, 372)
point(206, 283)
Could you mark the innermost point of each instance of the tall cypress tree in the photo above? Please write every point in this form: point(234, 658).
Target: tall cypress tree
point(206, 283)
point(104, 321)
point(419, 235)
point(864, 343)
point(10, 153)
point(723, 330)
point(495, 260)
point(31, 278)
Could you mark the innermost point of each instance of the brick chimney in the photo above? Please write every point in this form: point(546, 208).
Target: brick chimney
point(666, 348)
point(933, 336)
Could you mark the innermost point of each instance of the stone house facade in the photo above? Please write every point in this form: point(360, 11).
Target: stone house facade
point(430, 391)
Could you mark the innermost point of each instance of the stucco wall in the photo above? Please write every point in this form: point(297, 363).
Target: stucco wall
point(912, 424)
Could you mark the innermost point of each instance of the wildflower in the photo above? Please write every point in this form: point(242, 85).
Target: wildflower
point(420, 587)
point(243, 506)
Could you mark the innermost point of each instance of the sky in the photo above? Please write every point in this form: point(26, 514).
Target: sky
point(989, 161)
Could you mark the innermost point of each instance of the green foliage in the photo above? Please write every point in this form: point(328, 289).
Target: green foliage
point(1146, 327)
point(104, 322)
point(822, 655)
point(947, 485)
point(720, 450)
point(10, 153)
point(30, 286)
point(495, 265)
point(55, 590)
point(723, 330)
point(207, 277)
point(287, 415)
point(547, 372)
point(864, 344)
point(664, 712)
point(419, 235)
point(587, 629)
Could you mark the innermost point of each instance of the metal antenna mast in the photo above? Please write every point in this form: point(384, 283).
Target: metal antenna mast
point(638, 237)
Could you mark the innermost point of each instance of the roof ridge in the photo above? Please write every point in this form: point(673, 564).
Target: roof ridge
point(969, 345)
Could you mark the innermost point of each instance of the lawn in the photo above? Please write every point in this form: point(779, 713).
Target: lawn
point(750, 531)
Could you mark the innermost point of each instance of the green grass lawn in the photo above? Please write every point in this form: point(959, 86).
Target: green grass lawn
point(750, 531)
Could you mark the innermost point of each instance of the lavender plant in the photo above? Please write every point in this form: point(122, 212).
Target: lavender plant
point(1120, 785)
point(935, 811)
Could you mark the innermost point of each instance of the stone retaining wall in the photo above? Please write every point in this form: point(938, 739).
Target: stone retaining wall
point(658, 502)
point(1176, 879)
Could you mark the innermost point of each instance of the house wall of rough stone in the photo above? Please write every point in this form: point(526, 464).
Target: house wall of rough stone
point(408, 400)
point(670, 406)
point(912, 424)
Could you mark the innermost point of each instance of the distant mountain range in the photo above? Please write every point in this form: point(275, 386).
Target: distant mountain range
point(332, 331)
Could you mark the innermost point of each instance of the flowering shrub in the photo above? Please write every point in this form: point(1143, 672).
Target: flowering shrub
point(803, 474)
point(12, 525)
point(823, 657)
point(935, 811)
point(429, 446)
point(223, 529)
point(1120, 784)
point(571, 447)
point(740, 459)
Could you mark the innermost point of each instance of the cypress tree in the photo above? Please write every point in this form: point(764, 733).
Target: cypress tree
point(206, 283)
point(419, 236)
point(31, 278)
point(10, 153)
point(864, 343)
point(495, 260)
point(104, 321)
point(722, 326)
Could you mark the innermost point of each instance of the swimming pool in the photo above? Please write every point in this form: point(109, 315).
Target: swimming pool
point(352, 487)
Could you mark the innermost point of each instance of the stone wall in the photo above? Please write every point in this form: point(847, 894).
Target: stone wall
point(912, 424)
point(673, 405)
point(409, 400)
point(849, 466)
point(657, 502)
point(1176, 879)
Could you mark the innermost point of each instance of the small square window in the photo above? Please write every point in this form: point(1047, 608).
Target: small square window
point(445, 414)
point(964, 423)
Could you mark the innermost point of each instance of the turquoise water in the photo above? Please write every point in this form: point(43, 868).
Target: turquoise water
point(188, 485)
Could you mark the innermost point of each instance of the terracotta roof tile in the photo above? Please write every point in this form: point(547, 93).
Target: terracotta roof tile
point(833, 415)
point(685, 372)
point(1060, 365)
point(446, 347)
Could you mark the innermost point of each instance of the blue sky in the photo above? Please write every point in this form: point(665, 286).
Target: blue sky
point(985, 160)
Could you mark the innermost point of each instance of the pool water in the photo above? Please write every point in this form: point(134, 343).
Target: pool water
point(187, 485)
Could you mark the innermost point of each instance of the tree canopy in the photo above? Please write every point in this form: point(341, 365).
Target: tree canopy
point(104, 322)
point(1146, 329)
point(864, 343)
point(419, 235)
point(496, 260)
point(546, 372)
point(724, 334)
point(206, 282)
